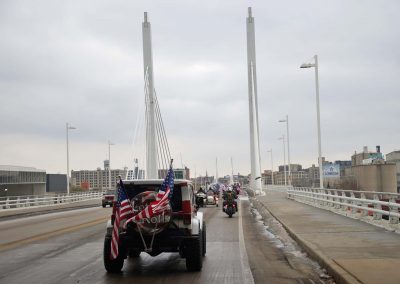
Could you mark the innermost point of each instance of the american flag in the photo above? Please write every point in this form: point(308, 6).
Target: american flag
point(161, 203)
point(122, 212)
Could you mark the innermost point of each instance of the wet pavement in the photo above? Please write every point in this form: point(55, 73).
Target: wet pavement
point(351, 250)
point(66, 247)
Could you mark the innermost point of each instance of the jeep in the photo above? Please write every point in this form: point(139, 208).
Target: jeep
point(108, 198)
point(182, 230)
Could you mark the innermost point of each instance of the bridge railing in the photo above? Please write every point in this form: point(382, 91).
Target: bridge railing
point(9, 202)
point(374, 207)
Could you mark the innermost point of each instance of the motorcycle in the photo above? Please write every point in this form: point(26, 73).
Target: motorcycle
point(212, 198)
point(201, 199)
point(230, 208)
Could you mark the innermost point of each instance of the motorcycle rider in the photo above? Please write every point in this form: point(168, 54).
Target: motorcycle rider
point(228, 197)
point(200, 198)
point(201, 190)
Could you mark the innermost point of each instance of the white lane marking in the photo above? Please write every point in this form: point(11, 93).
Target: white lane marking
point(244, 260)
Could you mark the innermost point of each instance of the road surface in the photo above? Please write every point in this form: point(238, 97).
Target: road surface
point(66, 247)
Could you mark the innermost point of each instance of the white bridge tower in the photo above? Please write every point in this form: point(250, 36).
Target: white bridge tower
point(255, 179)
point(151, 139)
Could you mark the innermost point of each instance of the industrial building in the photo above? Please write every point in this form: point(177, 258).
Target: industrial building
point(394, 157)
point(17, 180)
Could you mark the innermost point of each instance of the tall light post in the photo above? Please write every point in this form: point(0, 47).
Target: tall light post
point(68, 127)
point(315, 65)
point(284, 156)
point(288, 147)
point(109, 163)
point(272, 167)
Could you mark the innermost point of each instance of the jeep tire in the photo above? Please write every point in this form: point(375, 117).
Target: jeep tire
point(204, 239)
point(111, 265)
point(193, 253)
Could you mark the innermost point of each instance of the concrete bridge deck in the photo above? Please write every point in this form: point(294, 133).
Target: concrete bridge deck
point(351, 250)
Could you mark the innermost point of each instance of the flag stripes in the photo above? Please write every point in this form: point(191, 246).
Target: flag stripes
point(123, 211)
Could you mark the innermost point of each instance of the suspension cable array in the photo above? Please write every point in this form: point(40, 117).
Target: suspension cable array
point(163, 152)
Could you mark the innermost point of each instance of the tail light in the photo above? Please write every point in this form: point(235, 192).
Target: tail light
point(187, 212)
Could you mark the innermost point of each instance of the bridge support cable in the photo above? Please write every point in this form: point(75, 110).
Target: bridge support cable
point(164, 136)
point(147, 120)
point(165, 155)
point(138, 143)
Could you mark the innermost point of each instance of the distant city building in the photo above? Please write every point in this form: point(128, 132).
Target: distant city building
point(56, 183)
point(106, 164)
point(300, 178)
point(313, 176)
point(136, 173)
point(224, 180)
point(17, 180)
point(394, 157)
point(366, 157)
point(376, 177)
point(203, 180)
point(266, 177)
point(366, 171)
point(370, 172)
point(293, 168)
point(178, 173)
point(97, 179)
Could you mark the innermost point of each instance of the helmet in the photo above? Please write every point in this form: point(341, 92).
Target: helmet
point(230, 188)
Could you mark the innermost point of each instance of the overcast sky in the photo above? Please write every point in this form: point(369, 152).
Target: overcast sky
point(81, 62)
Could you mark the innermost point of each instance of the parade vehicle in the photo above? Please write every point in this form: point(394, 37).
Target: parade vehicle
point(229, 205)
point(201, 199)
point(178, 229)
point(108, 198)
point(212, 198)
point(230, 208)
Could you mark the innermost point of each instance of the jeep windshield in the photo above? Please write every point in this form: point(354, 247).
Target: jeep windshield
point(109, 192)
point(176, 201)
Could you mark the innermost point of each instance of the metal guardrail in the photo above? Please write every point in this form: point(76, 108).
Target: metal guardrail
point(363, 203)
point(9, 202)
point(378, 208)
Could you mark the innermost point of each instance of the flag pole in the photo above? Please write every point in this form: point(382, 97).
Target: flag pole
point(121, 186)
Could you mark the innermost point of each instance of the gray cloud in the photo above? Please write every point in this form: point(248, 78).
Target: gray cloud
point(82, 63)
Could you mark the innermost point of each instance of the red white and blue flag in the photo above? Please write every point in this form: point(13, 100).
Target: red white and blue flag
point(161, 203)
point(123, 211)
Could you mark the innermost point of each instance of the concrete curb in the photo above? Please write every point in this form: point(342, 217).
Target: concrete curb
point(340, 275)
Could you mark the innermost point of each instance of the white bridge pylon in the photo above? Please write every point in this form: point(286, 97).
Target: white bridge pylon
point(255, 179)
point(157, 150)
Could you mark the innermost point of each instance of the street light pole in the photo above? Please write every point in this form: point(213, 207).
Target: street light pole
point(272, 167)
point(109, 164)
point(315, 65)
point(68, 127)
point(284, 156)
point(288, 147)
